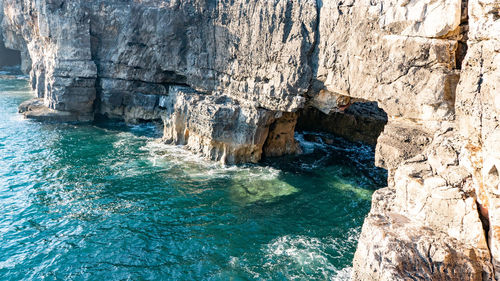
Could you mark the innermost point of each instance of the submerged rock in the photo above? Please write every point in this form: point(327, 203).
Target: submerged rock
point(260, 190)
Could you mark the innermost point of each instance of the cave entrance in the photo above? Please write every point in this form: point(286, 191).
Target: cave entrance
point(360, 122)
point(344, 139)
point(340, 143)
point(8, 57)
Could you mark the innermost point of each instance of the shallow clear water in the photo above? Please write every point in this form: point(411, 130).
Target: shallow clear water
point(108, 202)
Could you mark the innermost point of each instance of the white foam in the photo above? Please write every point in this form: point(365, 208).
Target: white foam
point(248, 183)
point(309, 146)
point(161, 152)
point(310, 256)
point(306, 254)
point(343, 274)
point(165, 155)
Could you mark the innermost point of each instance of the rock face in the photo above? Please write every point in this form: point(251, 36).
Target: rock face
point(221, 128)
point(373, 50)
point(426, 224)
point(451, 185)
point(230, 79)
point(119, 58)
point(478, 108)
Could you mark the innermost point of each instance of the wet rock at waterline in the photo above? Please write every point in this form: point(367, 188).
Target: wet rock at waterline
point(37, 110)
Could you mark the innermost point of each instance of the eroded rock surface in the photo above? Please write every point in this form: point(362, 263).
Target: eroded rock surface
point(478, 109)
point(448, 187)
point(394, 248)
point(218, 127)
point(429, 209)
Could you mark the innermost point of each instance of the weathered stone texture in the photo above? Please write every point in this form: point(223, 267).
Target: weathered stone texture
point(437, 179)
point(119, 58)
point(478, 109)
point(101, 54)
point(217, 127)
point(56, 38)
point(386, 51)
point(255, 50)
point(429, 209)
point(392, 248)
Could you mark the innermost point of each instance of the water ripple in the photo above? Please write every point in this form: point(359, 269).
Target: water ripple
point(108, 201)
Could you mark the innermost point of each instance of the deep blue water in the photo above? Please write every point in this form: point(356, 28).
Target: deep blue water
point(107, 201)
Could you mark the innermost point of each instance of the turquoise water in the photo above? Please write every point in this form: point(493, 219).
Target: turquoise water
point(106, 201)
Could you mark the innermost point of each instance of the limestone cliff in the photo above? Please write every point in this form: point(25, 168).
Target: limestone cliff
point(230, 79)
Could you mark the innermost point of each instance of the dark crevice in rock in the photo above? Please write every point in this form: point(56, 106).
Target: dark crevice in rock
point(173, 77)
point(460, 53)
point(362, 121)
point(491, 179)
point(313, 56)
point(288, 24)
point(485, 223)
point(8, 57)
point(463, 36)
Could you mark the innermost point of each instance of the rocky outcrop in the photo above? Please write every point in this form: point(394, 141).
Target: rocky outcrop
point(449, 187)
point(377, 51)
point(230, 79)
point(400, 140)
point(426, 223)
point(401, 250)
point(35, 109)
point(113, 57)
point(54, 35)
point(119, 58)
point(223, 129)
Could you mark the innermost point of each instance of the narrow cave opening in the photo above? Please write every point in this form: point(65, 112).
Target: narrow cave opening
point(348, 136)
point(360, 122)
point(344, 139)
point(8, 57)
